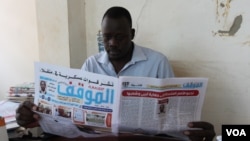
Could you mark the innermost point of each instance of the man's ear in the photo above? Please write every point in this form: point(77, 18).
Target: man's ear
point(132, 33)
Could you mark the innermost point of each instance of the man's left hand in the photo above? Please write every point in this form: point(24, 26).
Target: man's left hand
point(206, 133)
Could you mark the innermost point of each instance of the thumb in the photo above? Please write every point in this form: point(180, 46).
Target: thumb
point(33, 124)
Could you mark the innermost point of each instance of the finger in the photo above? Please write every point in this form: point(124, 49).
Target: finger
point(36, 117)
point(199, 133)
point(209, 138)
point(195, 138)
point(25, 112)
point(19, 108)
point(32, 124)
point(23, 118)
point(25, 115)
point(34, 108)
point(23, 122)
point(28, 104)
point(28, 122)
point(201, 124)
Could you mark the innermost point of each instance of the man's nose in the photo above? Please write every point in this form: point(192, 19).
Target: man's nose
point(113, 41)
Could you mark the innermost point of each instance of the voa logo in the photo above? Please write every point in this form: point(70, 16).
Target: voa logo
point(236, 132)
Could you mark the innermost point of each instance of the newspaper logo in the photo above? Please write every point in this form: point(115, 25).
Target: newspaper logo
point(192, 85)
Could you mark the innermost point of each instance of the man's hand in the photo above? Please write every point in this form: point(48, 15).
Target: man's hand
point(25, 116)
point(206, 134)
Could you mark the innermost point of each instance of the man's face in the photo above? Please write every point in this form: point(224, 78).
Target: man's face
point(162, 108)
point(117, 36)
point(43, 85)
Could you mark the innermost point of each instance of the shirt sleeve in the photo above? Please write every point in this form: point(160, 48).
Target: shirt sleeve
point(84, 66)
point(165, 69)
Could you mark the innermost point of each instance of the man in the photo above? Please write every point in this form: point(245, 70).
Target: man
point(161, 109)
point(42, 87)
point(122, 57)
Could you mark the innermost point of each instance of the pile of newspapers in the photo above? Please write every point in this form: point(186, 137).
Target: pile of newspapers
point(21, 92)
point(8, 111)
point(15, 95)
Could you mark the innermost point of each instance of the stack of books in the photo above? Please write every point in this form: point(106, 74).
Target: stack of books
point(22, 92)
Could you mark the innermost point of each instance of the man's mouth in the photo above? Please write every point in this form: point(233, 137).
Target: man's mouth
point(113, 52)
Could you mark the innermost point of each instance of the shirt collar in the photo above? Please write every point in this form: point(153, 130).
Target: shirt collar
point(138, 55)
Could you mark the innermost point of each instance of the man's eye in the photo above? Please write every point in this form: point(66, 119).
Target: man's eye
point(119, 37)
point(105, 37)
point(116, 37)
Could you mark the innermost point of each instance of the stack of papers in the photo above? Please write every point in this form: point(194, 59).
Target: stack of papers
point(15, 96)
point(22, 92)
point(8, 111)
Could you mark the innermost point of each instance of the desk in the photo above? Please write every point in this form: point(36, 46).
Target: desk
point(120, 138)
point(110, 138)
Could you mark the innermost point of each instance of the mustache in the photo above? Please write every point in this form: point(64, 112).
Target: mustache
point(112, 48)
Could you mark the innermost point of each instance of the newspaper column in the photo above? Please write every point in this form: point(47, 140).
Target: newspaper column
point(3, 130)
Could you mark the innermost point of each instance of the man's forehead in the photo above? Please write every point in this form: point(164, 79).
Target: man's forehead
point(115, 24)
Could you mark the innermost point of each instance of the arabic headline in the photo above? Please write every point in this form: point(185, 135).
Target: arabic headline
point(155, 94)
point(77, 89)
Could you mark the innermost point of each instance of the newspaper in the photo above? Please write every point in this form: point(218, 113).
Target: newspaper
point(73, 103)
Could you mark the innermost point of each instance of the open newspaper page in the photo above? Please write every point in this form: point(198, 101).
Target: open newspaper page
point(154, 106)
point(68, 97)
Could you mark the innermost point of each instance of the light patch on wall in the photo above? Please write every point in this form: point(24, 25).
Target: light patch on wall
point(246, 43)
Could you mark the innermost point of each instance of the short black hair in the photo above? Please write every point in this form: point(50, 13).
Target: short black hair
point(118, 12)
point(42, 81)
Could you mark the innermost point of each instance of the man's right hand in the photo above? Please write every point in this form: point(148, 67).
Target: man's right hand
point(25, 116)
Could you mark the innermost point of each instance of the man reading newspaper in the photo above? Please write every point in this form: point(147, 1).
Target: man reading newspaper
point(122, 57)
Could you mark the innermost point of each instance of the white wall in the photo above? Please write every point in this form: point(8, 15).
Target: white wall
point(53, 34)
point(18, 43)
point(187, 32)
point(61, 32)
point(39, 30)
